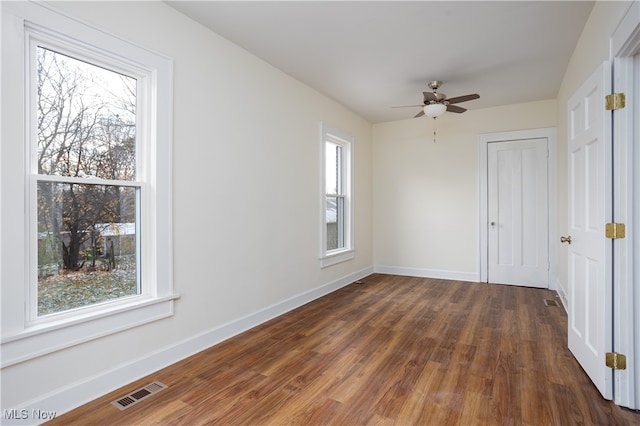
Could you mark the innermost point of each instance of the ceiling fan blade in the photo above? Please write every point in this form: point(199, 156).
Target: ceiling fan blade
point(430, 96)
point(420, 114)
point(455, 108)
point(407, 106)
point(464, 98)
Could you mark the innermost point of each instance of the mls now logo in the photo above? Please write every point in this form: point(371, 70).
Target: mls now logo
point(15, 414)
point(24, 414)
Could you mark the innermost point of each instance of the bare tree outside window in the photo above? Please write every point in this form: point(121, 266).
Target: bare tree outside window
point(87, 199)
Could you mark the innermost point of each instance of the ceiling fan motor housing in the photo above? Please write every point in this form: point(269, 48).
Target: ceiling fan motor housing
point(434, 84)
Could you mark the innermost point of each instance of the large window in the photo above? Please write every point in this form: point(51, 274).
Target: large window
point(88, 191)
point(336, 200)
point(86, 152)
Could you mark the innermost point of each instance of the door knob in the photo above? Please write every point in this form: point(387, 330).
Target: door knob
point(566, 239)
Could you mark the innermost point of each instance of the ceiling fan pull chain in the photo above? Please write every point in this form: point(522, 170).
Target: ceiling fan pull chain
point(434, 130)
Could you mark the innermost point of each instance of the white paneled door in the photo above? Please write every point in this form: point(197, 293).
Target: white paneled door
point(517, 212)
point(590, 252)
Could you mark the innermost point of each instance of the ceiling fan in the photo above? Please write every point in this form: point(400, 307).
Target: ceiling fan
point(436, 103)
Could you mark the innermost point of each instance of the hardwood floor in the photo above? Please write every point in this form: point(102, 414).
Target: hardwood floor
point(392, 350)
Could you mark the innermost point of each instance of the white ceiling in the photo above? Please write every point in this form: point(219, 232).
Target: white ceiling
point(372, 55)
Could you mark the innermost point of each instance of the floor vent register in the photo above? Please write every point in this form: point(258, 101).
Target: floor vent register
point(138, 395)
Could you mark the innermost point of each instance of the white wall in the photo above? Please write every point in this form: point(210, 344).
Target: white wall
point(426, 193)
point(246, 205)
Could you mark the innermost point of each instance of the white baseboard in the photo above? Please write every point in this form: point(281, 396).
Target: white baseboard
point(79, 393)
point(563, 298)
point(428, 273)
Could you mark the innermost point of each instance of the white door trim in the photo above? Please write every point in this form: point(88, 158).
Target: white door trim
point(483, 140)
point(625, 44)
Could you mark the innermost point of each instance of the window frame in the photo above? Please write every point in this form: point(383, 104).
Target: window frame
point(346, 142)
point(24, 334)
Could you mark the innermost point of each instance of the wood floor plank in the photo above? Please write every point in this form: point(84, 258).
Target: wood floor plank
point(392, 350)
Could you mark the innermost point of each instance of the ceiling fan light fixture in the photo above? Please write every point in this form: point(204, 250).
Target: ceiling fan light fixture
point(434, 110)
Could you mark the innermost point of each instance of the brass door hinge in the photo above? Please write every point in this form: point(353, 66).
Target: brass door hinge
point(614, 101)
point(616, 361)
point(614, 230)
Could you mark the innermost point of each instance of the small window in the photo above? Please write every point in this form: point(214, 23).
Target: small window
point(336, 199)
point(335, 195)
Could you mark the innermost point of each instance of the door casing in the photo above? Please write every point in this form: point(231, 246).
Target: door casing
point(625, 53)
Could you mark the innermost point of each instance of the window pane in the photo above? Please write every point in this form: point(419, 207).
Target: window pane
point(335, 222)
point(86, 119)
point(333, 154)
point(87, 244)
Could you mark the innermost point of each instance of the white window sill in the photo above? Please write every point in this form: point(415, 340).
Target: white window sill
point(337, 257)
point(48, 337)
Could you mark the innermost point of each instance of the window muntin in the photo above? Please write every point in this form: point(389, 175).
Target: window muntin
point(337, 218)
point(87, 197)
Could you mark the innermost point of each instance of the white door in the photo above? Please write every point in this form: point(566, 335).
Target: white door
point(590, 205)
point(517, 183)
